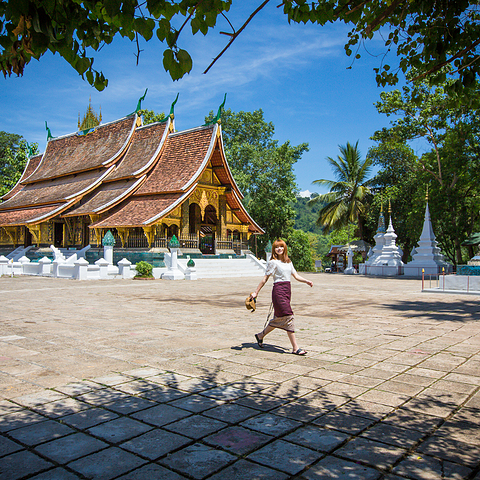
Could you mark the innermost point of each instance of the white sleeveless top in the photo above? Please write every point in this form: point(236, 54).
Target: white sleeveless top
point(282, 272)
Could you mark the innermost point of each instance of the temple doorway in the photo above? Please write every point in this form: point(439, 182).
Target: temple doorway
point(58, 234)
point(207, 231)
point(27, 237)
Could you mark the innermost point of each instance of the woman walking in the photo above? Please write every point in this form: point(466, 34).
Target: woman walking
point(282, 269)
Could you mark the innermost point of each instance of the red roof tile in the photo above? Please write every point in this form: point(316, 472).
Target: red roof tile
point(142, 152)
point(22, 216)
point(138, 210)
point(53, 191)
point(107, 196)
point(77, 153)
point(182, 161)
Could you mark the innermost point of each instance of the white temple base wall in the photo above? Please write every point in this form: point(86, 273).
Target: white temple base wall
point(415, 271)
point(380, 270)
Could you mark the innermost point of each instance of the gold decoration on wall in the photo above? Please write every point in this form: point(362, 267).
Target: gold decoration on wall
point(205, 197)
point(36, 232)
point(12, 233)
point(150, 234)
point(123, 233)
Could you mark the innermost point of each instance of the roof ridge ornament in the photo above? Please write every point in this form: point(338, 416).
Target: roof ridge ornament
point(217, 118)
point(172, 108)
point(140, 100)
point(49, 133)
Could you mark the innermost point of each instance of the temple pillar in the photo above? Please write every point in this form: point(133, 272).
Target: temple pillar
point(222, 216)
point(185, 220)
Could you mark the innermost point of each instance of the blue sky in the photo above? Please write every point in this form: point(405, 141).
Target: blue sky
point(297, 74)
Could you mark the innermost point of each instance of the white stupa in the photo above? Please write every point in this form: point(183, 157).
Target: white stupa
point(428, 256)
point(386, 258)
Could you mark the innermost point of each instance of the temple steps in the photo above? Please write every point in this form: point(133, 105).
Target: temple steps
point(225, 267)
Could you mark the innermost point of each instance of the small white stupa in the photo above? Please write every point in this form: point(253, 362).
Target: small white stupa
point(428, 256)
point(386, 258)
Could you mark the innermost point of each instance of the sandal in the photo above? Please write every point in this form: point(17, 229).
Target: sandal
point(300, 351)
point(259, 340)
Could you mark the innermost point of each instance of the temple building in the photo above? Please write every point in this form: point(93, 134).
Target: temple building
point(144, 183)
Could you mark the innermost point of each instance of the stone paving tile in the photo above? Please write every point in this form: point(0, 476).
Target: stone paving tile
point(21, 464)
point(452, 450)
point(39, 398)
point(225, 393)
point(339, 469)
point(8, 446)
point(365, 409)
point(89, 418)
point(129, 405)
point(298, 410)
point(261, 401)
point(78, 388)
point(370, 452)
point(155, 443)
point(160, 415)
point(196, 426)
point(102, 396)
point(270, 424)
point(119, 462)
point(317, 438)
point(163, 394)
point(19, 419)
point(119, 430)
point(344, 422)
point(198, 460)
point(238, 440)
point(285, 456)
point(393, 435)
point(413, 420)
point(40, 432)
point(384, 398)
point(231, 413)
point(8, 407)
point(55, 474)
point(61, 407)
point(69, 448)
point(152, 472)
point(195, 403)
point(245, 470)
point(423, 467)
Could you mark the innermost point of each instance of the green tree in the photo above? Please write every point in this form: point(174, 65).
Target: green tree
point(13, 162)
point(427, 34)
point(149, 116)
point(346, 201)
point(300, 250)
point(451, 167)
point(263, 170)
point(8, 140)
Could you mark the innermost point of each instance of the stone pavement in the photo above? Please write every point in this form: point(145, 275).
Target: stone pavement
point(154, 380)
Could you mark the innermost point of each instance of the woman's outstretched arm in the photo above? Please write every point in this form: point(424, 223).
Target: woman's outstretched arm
point(300, 279)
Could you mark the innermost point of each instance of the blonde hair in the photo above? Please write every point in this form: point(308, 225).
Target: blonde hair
point(284, 257)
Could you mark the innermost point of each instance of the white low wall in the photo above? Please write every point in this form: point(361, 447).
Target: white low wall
point(466, 283)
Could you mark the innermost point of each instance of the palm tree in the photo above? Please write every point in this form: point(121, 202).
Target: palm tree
point(345, 203)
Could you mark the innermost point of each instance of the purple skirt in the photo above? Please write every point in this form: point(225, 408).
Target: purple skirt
point(281, 294)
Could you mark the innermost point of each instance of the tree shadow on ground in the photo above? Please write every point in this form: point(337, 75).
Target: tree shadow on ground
point(439, 310)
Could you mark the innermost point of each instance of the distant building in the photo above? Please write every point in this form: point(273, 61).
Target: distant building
point(145, 183)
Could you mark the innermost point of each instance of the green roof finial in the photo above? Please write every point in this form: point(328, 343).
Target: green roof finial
point(171, 114)
point(140, 100)
point(49, 133)
point(217, 119)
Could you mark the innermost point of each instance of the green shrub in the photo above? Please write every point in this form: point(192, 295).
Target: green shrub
point(144, 269)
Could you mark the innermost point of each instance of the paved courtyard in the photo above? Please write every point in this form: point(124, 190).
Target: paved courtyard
point(145, 380)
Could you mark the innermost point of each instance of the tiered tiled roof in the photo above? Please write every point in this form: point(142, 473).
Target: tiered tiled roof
point(132, 175)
